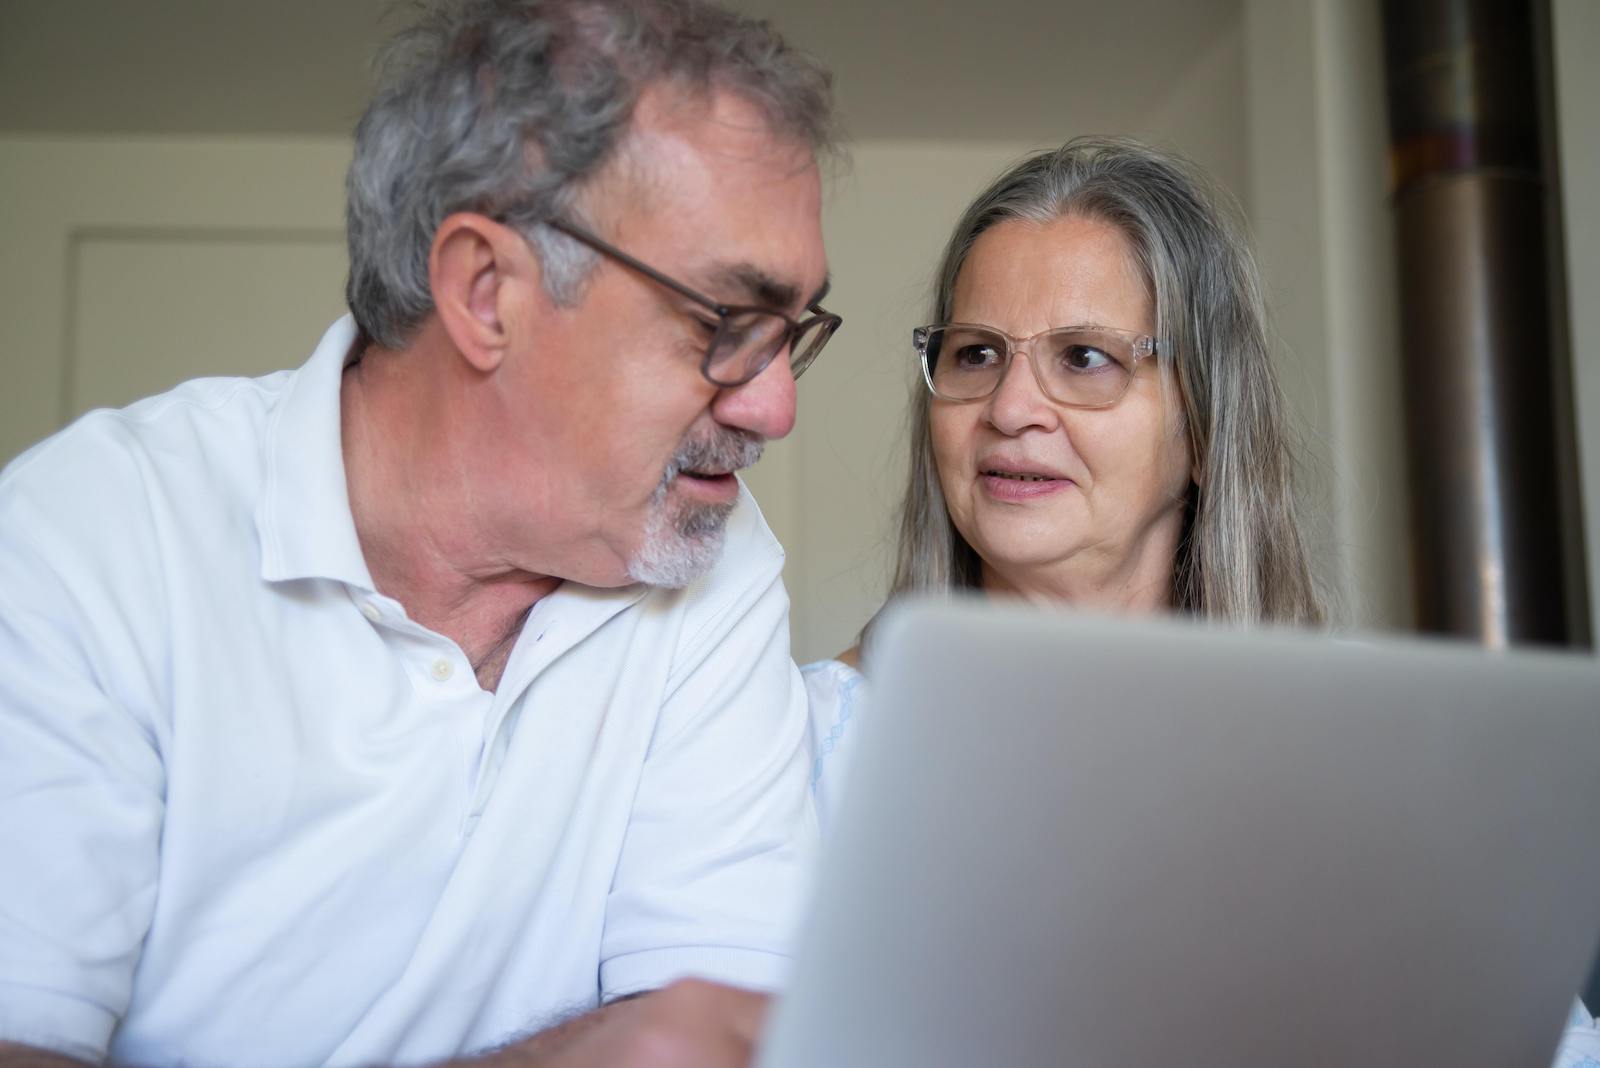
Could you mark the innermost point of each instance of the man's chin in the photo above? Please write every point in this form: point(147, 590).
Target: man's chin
point(676, 562)
point(683, 536)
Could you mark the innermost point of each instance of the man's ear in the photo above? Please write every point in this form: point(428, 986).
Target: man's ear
point(477, 270)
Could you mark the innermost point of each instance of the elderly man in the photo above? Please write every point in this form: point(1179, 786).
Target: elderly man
point(439, 691)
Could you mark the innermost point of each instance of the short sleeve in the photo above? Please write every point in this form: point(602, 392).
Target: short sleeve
point(722, 834)
point(81, 805)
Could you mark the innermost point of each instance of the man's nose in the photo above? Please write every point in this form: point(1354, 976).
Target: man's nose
point(764, 406)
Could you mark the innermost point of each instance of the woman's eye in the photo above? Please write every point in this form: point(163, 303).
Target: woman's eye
point(971, 357)
point(1083, 358)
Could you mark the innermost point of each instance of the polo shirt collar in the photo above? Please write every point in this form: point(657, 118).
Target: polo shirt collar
point(303, 519)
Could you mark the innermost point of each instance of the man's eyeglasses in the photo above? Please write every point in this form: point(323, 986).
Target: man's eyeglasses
point(1076, 366)
point(746, 337)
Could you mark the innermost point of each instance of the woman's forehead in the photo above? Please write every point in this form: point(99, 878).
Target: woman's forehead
point(1069, 270)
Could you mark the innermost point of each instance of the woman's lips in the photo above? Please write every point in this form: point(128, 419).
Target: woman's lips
point(1020, 485)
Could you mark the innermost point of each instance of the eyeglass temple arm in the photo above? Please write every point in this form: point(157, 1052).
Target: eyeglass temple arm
point(578, 233)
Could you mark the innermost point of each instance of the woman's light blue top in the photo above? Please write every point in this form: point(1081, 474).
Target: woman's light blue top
point(835, 691)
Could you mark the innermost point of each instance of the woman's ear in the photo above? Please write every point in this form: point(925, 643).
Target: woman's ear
point(477, 269)
point(1184, 431)
point(1197, 467)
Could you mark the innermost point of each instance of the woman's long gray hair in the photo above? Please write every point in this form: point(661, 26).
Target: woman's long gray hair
point(1242, 556)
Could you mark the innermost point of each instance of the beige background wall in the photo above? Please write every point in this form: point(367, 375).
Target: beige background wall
point(128, 265)
point(1577, 37)
point(130, 261)
point(1318, 165)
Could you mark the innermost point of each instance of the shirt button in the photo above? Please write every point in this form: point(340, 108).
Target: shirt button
point(372, 611)
point(443, 669)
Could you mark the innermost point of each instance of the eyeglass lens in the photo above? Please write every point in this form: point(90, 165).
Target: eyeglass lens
point(1076, 365)
point(749, 339)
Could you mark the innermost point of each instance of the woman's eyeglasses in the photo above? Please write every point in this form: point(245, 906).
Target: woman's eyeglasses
point(1077, 366)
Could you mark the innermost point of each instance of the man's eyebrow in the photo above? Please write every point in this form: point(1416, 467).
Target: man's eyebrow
point(760, 288)
point(816, 298)
point(754, 285)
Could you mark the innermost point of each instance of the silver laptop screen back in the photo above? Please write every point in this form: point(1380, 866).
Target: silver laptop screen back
point(1081, 841)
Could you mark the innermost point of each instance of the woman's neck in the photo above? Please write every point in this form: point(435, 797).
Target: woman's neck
point(1132, 583)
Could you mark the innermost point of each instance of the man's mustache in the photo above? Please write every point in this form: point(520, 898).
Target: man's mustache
point(722, 451)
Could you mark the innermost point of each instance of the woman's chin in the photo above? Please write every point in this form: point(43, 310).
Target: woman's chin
point(1024, 563)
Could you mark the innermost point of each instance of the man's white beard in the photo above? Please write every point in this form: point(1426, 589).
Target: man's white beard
point(682, 539)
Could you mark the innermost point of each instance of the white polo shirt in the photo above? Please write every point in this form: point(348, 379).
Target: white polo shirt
point(250, 813)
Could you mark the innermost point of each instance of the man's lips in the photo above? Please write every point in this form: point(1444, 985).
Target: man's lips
point(718, 485)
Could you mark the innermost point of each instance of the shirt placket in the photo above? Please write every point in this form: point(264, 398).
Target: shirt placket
point(554, 626)
point(442, 678)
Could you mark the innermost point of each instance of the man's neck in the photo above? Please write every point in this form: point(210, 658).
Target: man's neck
point(423, 542)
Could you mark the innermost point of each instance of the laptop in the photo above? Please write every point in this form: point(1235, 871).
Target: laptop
point(1085, 841)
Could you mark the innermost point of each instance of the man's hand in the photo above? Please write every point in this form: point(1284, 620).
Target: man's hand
point(15, 1056)
point(690, 1024)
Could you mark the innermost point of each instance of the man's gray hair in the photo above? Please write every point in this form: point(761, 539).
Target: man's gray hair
point(1242, 558)
point(506, 107)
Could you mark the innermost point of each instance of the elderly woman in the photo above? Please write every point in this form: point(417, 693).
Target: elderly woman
point(1139, 462)
point(1101, 425)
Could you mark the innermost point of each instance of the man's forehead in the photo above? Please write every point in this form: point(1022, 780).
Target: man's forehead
point(718, 124)
point(736, 205)
point(679, 142)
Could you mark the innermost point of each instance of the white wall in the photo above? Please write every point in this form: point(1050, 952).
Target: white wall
point(128, 266)
point(1576, 31)
point(1318, 139)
